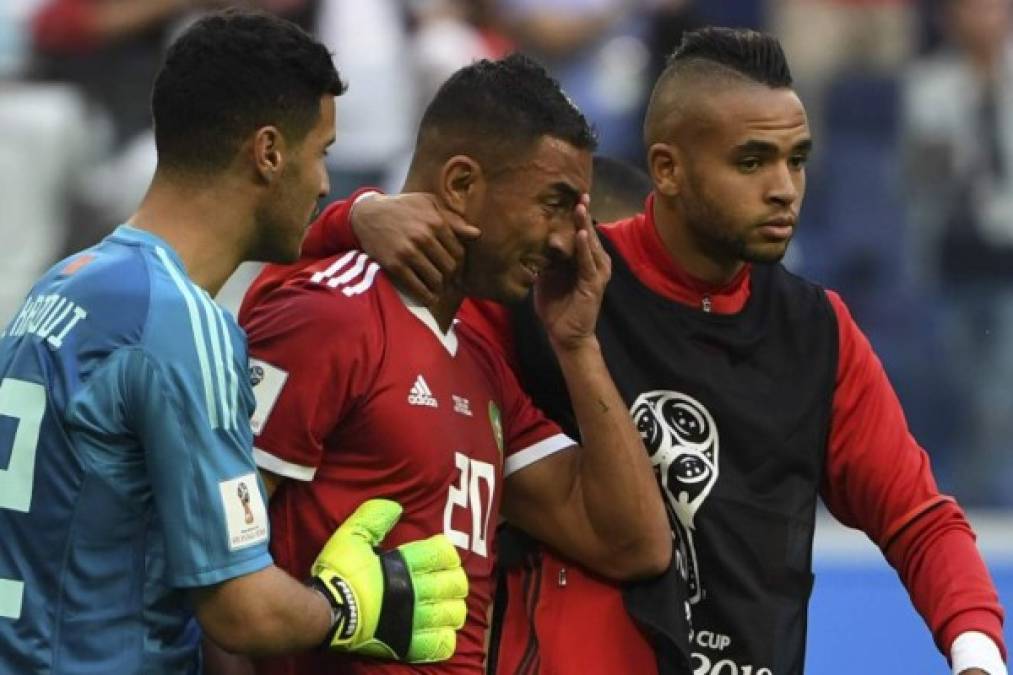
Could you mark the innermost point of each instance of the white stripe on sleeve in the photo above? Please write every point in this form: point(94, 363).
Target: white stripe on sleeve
point(230, 365)
point(217, 353)
point(198, 333)
point(269, 462)
point(536, 452)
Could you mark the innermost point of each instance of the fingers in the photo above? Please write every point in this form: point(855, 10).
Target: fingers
point(592, 260)
point(430, 555)
point(583, 243)
point(371, 521)
point(443, 252)
point(439, 586)
point(451, 245)
point(460, 228)
point(429, 250)
point(432, 645)
point(443, 614)
point(586, 268)
point(412, 284)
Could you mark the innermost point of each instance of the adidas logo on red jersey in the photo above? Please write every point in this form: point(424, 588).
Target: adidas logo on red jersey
point(421, 394)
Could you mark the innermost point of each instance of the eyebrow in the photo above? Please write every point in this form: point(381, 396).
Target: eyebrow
point(566, 190)
point(767, 148)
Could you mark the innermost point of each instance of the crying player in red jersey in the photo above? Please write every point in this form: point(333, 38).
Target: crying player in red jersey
point(362, 392)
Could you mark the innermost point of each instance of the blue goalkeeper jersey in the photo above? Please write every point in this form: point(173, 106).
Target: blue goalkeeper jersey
point(126, 473)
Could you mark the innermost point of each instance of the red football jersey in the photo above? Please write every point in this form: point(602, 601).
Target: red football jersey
point(360, 395)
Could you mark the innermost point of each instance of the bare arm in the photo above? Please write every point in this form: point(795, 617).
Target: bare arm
point(218, 661)
point(271, 482)
point(599, 503)
point(265, 612)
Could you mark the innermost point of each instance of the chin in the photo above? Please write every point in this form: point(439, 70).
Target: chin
point(507, 294)
point(768, 253)
point(279, 254)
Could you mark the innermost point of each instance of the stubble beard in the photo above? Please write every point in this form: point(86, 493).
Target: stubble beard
point(722, 240)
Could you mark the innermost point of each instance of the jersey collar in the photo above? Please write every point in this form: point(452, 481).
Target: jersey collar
point(639, 241)
point(422, 313)
point(128, 234)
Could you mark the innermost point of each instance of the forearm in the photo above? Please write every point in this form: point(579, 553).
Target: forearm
point(939, 563)
point(266, 612)
point(217, 661)
point(614, 478)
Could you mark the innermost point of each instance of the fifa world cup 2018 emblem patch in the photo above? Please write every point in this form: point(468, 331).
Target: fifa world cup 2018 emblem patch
point(256, 375)
point(244, 498)
point(497, 425)
point(682, 439)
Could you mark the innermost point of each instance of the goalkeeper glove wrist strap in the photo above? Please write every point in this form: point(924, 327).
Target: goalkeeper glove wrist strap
point(394, 624)
point(344, 611)
point(396, 612)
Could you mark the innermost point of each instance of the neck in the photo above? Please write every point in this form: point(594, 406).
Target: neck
point(445, 307)
point(208, 227)
point(685, 249)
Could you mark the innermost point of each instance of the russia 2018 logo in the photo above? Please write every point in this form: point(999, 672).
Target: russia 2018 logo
point(682, 440)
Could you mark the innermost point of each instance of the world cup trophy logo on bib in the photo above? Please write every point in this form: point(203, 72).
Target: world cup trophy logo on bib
point(682, 440)
point(244, 498)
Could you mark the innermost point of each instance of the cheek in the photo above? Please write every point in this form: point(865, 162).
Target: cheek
point(800, 182)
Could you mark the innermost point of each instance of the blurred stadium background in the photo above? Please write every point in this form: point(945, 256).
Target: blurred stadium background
point(909, 212)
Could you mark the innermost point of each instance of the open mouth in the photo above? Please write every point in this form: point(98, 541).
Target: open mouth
point(533, 268)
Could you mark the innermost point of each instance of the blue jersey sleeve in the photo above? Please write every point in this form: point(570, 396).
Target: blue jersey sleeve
point(204, 482)
point(192, 402)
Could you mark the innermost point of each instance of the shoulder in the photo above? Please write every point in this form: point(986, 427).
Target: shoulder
point(338, 289)
point(621, 232)
point(103, 293)
point(800, 294)
point(487, 353)
point(181, 311)
point(338, 301)
point(852, 342)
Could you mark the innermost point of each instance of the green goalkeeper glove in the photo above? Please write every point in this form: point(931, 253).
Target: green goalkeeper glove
point(403, 604)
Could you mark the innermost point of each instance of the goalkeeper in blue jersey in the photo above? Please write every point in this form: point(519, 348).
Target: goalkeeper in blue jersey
point(129, 501)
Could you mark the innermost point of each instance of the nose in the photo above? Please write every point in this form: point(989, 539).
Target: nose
point(325, 185)
point(562, 239)
point(786, 186)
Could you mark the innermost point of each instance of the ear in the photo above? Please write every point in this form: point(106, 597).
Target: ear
point(665, 168)
point(461, 182)
point(269, 152)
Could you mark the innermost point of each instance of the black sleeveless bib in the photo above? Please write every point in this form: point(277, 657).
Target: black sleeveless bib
point(735, 411)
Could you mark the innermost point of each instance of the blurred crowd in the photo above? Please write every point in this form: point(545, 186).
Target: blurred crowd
point(909, 210)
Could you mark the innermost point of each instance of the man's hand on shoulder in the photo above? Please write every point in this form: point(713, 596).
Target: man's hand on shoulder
point(413, 238)
point(404, 604)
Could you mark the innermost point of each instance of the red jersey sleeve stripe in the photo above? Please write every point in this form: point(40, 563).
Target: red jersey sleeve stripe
point(895, 527)
point(276, 465)
point(536, 452)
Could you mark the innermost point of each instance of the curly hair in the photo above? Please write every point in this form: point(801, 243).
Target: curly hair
point(230, 73)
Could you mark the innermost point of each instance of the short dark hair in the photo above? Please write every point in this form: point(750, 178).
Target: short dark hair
point(712, 55)
point(509, 104)
point(230, 73)
point(754, 55)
